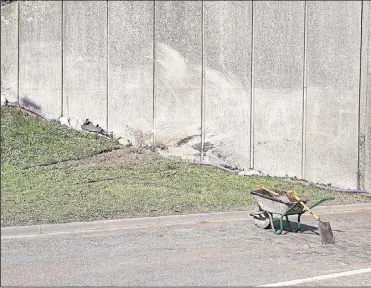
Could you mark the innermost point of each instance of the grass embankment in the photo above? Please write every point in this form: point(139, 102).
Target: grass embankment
point(53, 174)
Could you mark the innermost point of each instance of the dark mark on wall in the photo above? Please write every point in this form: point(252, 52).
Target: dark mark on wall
point(207, 146)
point(185, 140)
point(27, 102)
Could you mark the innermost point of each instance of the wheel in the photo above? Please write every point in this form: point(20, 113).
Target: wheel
point(261, 220)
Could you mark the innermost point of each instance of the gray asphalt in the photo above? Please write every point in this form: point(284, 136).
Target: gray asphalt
point(219, 253)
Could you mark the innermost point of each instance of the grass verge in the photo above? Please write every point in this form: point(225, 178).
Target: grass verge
point(53, 174)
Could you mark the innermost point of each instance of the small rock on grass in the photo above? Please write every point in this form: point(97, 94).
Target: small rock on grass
point(125, 142)
point(249, 172)
point(64, 121)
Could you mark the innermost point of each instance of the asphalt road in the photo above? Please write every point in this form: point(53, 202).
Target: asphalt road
point(218, 253)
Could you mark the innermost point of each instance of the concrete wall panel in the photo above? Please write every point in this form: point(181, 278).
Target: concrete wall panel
point(40, 54)
point(277, 84)
point(85, 61)
point(366, 85)
point(130, 97)
point(9, 51)
point(227, 66)
point(178, 76)
point(367, 144)
point(333, 68)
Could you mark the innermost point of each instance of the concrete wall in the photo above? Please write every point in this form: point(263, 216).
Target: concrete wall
point(365, 100)
point(282, 87)
point(9, 51)
point(40, 55)
point(85, 60)
point(278, 86)
point(178, 72)
point(333, 68)
point(130, 70)
point(227, 81)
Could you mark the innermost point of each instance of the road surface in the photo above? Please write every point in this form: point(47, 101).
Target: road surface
point(217, 253)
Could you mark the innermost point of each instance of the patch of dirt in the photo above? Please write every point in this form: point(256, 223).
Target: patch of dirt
point(117, 158)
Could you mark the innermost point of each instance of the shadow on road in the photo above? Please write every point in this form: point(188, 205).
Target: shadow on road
point(291, 227)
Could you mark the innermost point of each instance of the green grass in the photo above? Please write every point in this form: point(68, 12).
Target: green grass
point(53, 174)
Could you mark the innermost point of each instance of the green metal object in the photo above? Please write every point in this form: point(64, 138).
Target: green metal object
point(320, 201)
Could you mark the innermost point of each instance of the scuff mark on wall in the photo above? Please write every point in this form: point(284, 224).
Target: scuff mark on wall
point(179, 76)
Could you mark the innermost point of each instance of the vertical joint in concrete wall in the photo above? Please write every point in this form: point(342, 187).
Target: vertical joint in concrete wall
point(62, 54)
point(362, 103)
point(107, 62)
point(202, 82)
point(252, 89)
point(154, 75)
point(304, 111)
point(18, 32)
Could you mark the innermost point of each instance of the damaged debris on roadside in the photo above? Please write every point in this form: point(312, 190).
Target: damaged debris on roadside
point(90, 127)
